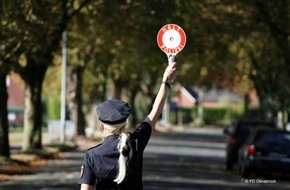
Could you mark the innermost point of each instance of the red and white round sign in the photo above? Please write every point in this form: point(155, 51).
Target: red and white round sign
point(171, 39)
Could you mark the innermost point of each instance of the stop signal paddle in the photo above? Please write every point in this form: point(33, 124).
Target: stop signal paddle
point(171, 40)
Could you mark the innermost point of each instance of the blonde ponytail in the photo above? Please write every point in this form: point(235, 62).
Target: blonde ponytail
point(119, 129)
point(122, 160)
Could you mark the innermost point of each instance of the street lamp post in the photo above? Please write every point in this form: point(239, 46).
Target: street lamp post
point(63, 87)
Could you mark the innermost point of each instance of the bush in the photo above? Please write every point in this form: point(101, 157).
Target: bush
point(220, 116)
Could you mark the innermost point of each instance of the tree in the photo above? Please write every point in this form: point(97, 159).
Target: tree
point(9, 51)
point(264, 39)
point(82, 51)
point(4, 141)
point(4, 127)
point(273, 18)
point(41, 23)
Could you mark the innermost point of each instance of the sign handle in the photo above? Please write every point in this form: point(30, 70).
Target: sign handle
point(171, 58)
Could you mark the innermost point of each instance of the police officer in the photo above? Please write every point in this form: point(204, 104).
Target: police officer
point(117, 163)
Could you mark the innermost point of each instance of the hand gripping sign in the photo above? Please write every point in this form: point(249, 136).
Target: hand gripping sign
point(171, 39)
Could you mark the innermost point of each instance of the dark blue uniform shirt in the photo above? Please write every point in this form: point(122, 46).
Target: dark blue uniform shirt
point(100, 164)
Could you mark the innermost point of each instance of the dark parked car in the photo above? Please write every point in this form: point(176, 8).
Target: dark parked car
point(265, 150)
point(237, 135)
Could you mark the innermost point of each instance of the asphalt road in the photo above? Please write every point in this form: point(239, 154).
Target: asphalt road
point(191, 160)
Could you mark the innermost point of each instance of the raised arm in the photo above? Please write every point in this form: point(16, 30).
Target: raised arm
point(168, 76)
point(86, 187)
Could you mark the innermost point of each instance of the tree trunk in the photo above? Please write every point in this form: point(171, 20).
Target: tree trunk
point(75, 98)
point(33, 77)
point(4, 139)
point(32, 119)
point(246, 104)
point(117, 90)
point(134, 119)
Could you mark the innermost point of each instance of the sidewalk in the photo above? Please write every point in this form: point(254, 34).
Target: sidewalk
point(59, 173)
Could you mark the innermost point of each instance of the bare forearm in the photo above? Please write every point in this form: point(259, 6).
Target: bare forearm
point(86, 187)
point(158, 104)
point(168, 76)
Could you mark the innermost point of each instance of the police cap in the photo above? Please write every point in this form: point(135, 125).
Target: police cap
point(113, 111)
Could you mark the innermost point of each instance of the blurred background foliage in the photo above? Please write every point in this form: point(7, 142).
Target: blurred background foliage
point(113, 53)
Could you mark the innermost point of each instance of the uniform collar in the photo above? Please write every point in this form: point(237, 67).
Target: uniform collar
point(110, 138)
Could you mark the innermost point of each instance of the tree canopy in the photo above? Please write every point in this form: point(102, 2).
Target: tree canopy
point(243, 45)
